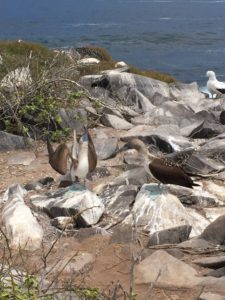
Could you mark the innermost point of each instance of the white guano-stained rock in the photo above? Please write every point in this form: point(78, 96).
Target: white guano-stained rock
point(20, 77)
point(88, 61)
point(77, 201)
point(22, 228)
point(156, 209)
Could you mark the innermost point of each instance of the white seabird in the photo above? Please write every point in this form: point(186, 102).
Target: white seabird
point(214, 86)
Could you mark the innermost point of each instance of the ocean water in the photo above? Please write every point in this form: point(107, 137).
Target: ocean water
point(184, 38)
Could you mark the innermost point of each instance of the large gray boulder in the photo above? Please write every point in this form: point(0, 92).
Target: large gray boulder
point(11, 142)
point(156, 209)
point(163, 269)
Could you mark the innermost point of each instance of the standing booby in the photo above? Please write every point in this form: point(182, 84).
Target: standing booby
point(214, 86)
point(86, 161)
point(164, 171)
point(82, 160)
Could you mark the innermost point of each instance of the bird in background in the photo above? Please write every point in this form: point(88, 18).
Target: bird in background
point(161, 169)
point(79, 161)
point(214, 86)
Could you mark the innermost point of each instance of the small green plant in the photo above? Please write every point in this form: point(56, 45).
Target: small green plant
point(88, 293)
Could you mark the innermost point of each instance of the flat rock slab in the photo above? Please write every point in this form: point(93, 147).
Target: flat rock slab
point(163, 269)
point(24, 158)
point(211, 262)
point(173, 235)
point(211, 296)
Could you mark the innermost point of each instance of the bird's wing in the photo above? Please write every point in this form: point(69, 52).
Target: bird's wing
point(59, 158)
point(92, 156)
point(219, 85)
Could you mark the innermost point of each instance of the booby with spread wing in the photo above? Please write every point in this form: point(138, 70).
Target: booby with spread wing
point(214, 86)
point(78, 162)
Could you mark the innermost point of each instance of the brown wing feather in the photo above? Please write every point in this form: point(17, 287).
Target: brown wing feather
point(58, 158)
point(92, 156)
point(170, 174)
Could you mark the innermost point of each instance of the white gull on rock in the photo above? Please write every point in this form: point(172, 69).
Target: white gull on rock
point(214, 86)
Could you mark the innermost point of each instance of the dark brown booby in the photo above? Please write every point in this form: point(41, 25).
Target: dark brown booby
point(163, 170)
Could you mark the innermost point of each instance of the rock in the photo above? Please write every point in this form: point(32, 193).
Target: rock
point(173, 235)
point(212, 213)
point(214, 147)
point(189, 127)
point(215, 189)
point(135, 176)
point(215, 232)
point(152, 202)
point(74, 119)
point(195, 243)
point(24, 158)
point(165, 138)
point(40, 184)
point(193, 196)
point(19, 78)
point(115, 122)
point(163, 269)
point(217, 273)
point(22, 228)
point(1, 60)
point(138, 101)
point(213, 262)
point(84, 206)
point(63, 222)
point(88, 61)
point(112, 111)
point(118, 199)
point(214, 284)
point(11, 142)
point(197, 221)
point(211, 296)
point(120, 64)
point(187, 93)
point(200, 164)
point(105, 147)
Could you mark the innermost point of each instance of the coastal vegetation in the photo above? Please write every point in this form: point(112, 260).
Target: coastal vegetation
point(32, 110)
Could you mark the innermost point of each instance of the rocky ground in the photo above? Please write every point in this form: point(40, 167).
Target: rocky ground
point(121, 232)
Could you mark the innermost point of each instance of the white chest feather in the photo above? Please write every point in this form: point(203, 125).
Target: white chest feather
point(83, 163)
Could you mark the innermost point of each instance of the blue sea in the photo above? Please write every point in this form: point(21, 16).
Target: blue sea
point(184, 38)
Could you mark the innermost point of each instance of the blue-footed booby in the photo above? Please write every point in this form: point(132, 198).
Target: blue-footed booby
point(214, 86)
point(79, 162)
point(161, 169)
